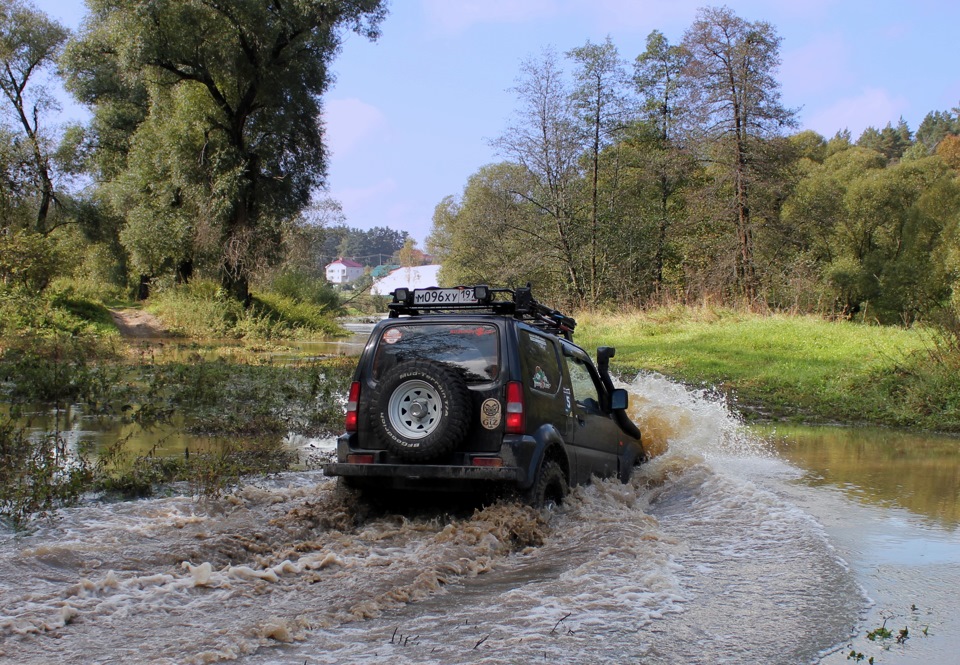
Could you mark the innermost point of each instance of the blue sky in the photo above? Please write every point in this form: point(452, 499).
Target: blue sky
point(411, 116)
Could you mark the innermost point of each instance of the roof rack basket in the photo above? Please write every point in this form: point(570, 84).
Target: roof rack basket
point(518, 303)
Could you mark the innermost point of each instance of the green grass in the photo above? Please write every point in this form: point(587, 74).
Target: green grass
point(201, 310)
point(800, 367)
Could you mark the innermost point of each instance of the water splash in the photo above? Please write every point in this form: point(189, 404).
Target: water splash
point(688, 421)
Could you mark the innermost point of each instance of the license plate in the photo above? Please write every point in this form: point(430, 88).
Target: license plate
point(443, 297)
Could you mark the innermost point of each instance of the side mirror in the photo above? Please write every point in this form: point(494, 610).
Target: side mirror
point(619, 399)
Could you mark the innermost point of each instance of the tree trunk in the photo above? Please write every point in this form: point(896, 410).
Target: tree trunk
point(238, 287)
point(143, 288)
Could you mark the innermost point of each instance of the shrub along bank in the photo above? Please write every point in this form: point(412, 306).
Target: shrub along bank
point(801, 368)
point(60, 350)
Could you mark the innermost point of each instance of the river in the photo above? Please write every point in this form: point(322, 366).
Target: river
point(733, 545)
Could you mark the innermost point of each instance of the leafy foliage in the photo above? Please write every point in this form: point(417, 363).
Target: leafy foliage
point(28, 261)
point(203, 310)
point(38, 474)
point(210, 112)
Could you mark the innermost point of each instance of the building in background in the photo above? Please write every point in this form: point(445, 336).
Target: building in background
point(343, 271)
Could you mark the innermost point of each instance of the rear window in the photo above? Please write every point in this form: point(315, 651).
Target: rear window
point(472, 348)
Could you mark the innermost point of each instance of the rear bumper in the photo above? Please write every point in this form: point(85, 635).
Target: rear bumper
point(425, 472)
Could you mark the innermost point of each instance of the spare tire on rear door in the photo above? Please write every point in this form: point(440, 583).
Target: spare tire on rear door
point(422, 410)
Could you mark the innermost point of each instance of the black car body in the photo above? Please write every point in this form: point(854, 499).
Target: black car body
point(473, 386)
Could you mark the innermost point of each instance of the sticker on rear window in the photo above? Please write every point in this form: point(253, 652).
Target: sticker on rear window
point(392, 336)
point(540, 380)
point(478, 331)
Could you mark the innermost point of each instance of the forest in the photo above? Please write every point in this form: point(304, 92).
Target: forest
point(674, 177)
point(680, 177)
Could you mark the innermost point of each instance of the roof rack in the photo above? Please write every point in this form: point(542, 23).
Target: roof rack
point(518, 303)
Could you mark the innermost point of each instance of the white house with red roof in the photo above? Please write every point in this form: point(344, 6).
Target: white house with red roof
point(343, 271)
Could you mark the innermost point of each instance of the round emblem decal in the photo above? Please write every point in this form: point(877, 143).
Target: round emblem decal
point(490, 412)
point(392, 336)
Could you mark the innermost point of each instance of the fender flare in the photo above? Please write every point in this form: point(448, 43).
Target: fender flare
point(547, 439)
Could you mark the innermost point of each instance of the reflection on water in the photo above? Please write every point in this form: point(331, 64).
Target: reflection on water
point(919, 472)
point(82, 430)
point(287, 352)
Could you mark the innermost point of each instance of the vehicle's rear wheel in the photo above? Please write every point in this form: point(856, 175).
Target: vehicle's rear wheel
point(422, 410)
point(550, 487)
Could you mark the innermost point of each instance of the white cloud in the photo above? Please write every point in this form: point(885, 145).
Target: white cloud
point(349, 122)
point(873, 107)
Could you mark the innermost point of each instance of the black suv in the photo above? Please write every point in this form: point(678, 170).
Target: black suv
point(471, 387)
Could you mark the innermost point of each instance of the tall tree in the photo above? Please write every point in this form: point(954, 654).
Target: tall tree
point(546, 143)
point(732, 67)
point(660, 154)
point(601, 102)
point(935, 126)
point(372, 247)
point(233, 104)
point(890, 141)
point(496, 235)
point(30, 43)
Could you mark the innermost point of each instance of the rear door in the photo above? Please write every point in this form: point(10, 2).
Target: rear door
point(471, 347)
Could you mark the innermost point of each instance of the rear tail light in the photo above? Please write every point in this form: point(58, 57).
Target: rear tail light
point(360, 459)
point(487, 461)
point(353, 402)
point(515, 416)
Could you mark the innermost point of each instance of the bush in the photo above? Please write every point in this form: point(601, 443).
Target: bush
point(284, 317)
point(198, 309)
point(60, 368)
point(37, 474)
point(23, 315)
point(28, 261)
point(302, 287)
point(203, 310)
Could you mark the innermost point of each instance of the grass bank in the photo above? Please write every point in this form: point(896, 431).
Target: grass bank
point(60, 350)
point(801, 368)
point(201, 310)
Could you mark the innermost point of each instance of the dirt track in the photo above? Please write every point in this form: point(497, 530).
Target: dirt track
point(137, 324)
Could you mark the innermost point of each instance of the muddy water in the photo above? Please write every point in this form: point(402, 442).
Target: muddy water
point(724, 548)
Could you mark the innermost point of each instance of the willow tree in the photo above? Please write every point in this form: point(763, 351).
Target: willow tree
point(732, 69)
point(230, 142)
point(493, 234)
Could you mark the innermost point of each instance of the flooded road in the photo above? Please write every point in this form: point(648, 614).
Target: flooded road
point(728, 547)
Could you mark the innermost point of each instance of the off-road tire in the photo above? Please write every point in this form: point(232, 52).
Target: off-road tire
point(421, 410)
point(550, 486)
